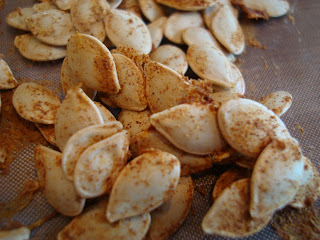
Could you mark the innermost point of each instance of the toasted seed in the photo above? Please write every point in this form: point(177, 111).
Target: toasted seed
point(208, 14)
point(190, 163)
point(63, 4)
point(107, 116)
point(164, 87)
point(227, 178)
point(77, 111)
point(227, 30)
point(249, 127)
point(68, 80)
point(199, 35)
point(127, 30)
point(53, 27)
point(21, 233)
point(171, 56)
point(135, 122)
point(278, 102)
point(151, 9)
point(59, 191)
point(238, 78)
point(220, 98)
point(7, 80)
point(229, 215)
point(87, 17)
point(167, 219)
point(32, 48)
point(114, 3)
point(143, 185)
point(188, 5)
point(276, 177)
point(93, 225)
point(309, 188)
point(105, 99)
point(132, 95)
point(44, 6)
point(178, 22)
point(17, 18)
point(100, 164)
point(156, 29)
point(246, 162)
point(35, 103)
point(263, 8)
point(83, 139)
point(92, 63)
point(131, 6)
point(192, 128)
point(208, 62)
point(47, 131)
point(139, 59)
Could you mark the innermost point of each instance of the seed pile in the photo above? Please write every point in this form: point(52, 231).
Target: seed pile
point(170, 126)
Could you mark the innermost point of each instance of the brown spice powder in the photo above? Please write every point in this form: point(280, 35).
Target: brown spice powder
point(16, 133)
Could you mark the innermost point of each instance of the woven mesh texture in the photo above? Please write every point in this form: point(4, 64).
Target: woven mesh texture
point(291, 62)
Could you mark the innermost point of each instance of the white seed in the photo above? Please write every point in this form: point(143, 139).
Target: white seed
point(190, 163)
point(21, 233)
point(47, 131)
point(17, 18)
point(178, 22)
point(131, 6)
point(127, 30)
point(229, 215)
point(92, 63)
point(7, 80)
point(68, 80)
point(220, 98)
point(227, 30)
point(208, 62)
point(199, 35)
point(132, 95)
point(276, 177)
point(87, 17)
point(53, 27)
point(249, 127)
point(240, 86)
point(35, 103)
point(107, 116)
point(32, 48)
point(44, 6)
point(83, 139)
point(156, 29)
point(263, 8)
point(151, 9)
point(192, 128)
point(135, 122)
point(76, 112)
point(93, 225)
point(170, 215)
point(165, 88)
point(63, 4)
point(226, 179)
point(278, 102)
point(171, 56)
point(188, 5)
point(309, 188)
point(59, 191)
point(100, 164)
point(144, 184)
point(114, 3)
